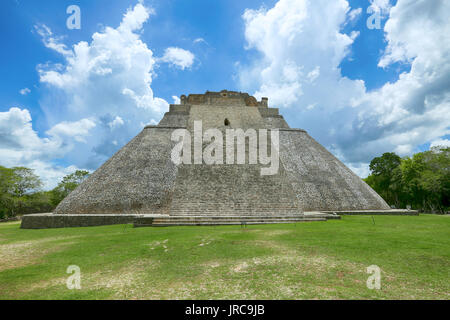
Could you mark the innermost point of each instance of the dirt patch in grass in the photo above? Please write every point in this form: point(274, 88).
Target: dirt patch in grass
point(123, 282)
point(160, 244)
point(241, 267)
point(274, 232)
point(61, 281)
point(291, 274)
point(20, 254)
point(126, 282)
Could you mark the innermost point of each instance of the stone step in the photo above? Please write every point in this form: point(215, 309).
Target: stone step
point(188, 217)
point(217, 220)
point(231, 220)
point(220, 223)
point(210, 207)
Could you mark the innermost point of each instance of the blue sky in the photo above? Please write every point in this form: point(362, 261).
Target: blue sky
point(358, 91)
point(176, 23)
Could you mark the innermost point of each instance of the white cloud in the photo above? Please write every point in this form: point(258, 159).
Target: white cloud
point(297, 38)
point(360, 169)
point(354, 14)
point(16, 132)
point(101, 85)
point(382, 6)
point(51, 41)
point(298, 51)
point(416, 108)
point(176, 100)
point(178, 57)
point(313, 75)
point(24, 91)
point(116, 62)
point(117, 122)
point(116, 58)
point(417, 31)
point(354, 35)
point(134, 19)
point(107, 81)
point(20, 145)
point(77, 130)
point(199, 40)
point(49, 173)
point(440, 142)
point(311, 106)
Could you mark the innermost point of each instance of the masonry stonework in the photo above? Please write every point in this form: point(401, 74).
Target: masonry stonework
point(141, 178)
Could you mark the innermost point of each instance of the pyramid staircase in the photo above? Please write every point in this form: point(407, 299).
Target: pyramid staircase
point(208, 220)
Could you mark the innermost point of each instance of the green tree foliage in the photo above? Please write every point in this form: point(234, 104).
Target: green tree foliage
point(20, 191)
point(67, 185)
point(421, 181)
point(384, 175)
point(6, 189)
point(25, 181)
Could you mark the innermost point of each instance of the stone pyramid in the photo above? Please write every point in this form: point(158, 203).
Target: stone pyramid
point(141, 178)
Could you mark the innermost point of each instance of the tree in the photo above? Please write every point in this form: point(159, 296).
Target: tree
point(422, 181)
point(6, 188)
point(427, 177)
point(20, 191)
point(17, 187)
point(411, 171)
point(25, 181)
point(384, 177)
point(6, 180)
point(67, 185)
point(384, 165)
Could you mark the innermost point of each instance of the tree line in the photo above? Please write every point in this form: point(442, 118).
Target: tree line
point(21, 191)
point(421, 182)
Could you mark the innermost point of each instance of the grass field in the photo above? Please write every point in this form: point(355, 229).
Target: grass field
point(317, 260)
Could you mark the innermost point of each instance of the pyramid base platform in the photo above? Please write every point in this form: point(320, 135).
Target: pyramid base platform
point(392, 212)
point(208, 220)
point(50, 220)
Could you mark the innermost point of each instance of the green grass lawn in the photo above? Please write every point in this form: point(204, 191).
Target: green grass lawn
point(315, 260)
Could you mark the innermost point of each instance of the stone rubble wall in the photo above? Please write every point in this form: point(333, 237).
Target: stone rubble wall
point(321, 181)
point(139, 178)
point(231, 190)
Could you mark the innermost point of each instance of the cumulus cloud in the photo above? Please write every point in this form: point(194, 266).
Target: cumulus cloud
point(108, 81)
point(20, 145)
point(296, 48)
point(299, 70)
point(381, 6)
point(94, 101)
point(117, 122)
point(16, 131)
point(416, 108)
point(116, 57)
point(178, 57)
point(77, 130)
